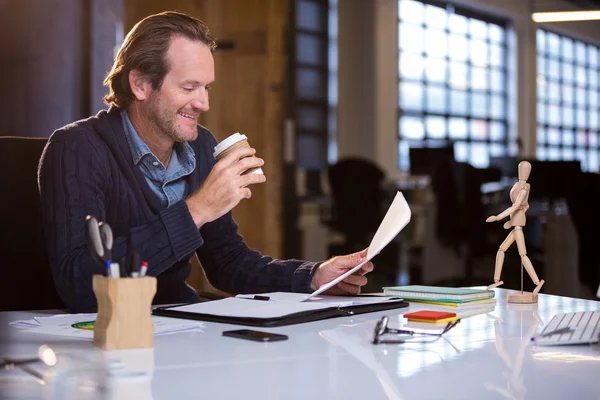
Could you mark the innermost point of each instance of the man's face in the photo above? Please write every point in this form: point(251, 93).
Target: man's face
point(175, 107)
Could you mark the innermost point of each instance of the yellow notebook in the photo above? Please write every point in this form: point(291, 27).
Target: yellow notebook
point(439, 321)
point(469, 304)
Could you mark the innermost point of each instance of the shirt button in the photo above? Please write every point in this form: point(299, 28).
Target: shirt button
point(155, 163)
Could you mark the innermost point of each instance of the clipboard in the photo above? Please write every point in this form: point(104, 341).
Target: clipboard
point(309, 315)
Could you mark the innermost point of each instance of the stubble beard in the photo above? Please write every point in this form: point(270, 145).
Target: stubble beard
point(166, 121)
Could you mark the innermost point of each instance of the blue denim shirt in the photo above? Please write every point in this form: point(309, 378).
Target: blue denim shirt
point(169, 183)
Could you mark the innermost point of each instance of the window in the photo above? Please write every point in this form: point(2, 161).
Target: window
point(452, 83)
point(332, 93)
point(568, 72)
point(314, 70)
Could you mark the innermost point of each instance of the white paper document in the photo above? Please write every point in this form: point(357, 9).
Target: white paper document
point(341, 301)
point(74, 325)
point(245, 308)
point(276, 306)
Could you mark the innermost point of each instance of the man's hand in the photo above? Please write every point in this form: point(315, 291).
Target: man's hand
point(225, 186)
point(337, 266)
point(493, 218)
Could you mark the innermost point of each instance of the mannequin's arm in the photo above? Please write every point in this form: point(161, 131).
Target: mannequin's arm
point(511, 209)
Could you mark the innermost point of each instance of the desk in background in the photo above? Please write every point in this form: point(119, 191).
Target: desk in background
point(487, 356)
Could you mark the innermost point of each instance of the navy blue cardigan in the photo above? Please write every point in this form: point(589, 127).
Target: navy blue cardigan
point(87, 168)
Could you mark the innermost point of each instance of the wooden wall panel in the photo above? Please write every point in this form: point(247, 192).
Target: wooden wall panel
point(249, 97)
point(135, 10)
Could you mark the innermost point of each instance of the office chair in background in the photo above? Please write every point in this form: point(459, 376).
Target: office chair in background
point(423, 160)
point(583, 198)
point(359, 204)
point(26, 282)
point(553, 180)
point(461, 215)
point(357, 200)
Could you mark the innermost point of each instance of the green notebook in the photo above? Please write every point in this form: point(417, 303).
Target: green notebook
point(437, 293)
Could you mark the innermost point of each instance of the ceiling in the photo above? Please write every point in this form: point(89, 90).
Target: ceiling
point(564, 5)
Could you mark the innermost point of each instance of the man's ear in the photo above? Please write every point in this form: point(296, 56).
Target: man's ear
point(140, 85)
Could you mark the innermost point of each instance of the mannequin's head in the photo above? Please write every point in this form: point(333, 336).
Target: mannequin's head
point(524, 170)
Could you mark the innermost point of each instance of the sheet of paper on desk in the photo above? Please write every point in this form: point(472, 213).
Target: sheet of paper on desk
point(241, 307)
point(63, 325)
point(341, 301)
point(245, 308)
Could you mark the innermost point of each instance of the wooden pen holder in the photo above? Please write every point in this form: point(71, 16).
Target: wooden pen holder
point(124, 312)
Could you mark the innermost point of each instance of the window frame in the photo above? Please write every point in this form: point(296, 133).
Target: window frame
point(508, 143)
point(551, 136)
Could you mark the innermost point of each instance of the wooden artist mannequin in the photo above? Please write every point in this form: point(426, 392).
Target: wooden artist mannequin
point(519, 194)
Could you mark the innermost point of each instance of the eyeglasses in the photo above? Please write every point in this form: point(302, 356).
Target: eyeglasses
point(381, 328)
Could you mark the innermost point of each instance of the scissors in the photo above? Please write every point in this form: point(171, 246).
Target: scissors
point(99, 236)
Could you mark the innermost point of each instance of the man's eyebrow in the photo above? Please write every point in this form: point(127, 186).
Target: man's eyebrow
point(194, 82)
point(191, 82)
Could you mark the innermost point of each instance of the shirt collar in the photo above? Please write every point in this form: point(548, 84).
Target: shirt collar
point(139, 148)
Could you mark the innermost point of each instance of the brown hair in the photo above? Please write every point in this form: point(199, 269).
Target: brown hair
point(145, 49)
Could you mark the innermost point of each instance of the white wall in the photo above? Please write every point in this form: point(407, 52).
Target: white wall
point(367, 113)
point(356, 74)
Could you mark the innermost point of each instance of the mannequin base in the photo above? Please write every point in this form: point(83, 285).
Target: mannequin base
point(523, 298)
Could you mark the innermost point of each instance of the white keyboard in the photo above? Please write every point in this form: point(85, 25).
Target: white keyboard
point(585, 329)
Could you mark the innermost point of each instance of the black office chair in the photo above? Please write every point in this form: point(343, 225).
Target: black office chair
point(583, 197)
point(423, 160)
point(359, 205)
point(357, 200)
point(552, 180)
point(26, 282)
point(461, 214)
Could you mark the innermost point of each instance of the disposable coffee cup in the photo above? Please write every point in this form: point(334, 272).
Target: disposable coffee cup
point(235, 141)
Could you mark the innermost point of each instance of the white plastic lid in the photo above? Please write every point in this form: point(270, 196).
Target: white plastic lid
point(236, 137)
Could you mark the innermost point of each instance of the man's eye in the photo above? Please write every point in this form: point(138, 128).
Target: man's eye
point(188, 89)
point(208, 87)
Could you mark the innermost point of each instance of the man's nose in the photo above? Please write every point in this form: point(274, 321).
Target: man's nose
point(201, 101)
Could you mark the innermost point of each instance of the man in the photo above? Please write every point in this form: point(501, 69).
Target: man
point(146, 167)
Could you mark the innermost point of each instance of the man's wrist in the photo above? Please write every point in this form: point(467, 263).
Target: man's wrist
point(314, 284)
point(197, 216)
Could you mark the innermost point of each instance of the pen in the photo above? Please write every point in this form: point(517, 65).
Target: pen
point(135, 264)
point(107, 266)
point(123, 267)
point(114, 270)
point(144, 268)
point(554, 332)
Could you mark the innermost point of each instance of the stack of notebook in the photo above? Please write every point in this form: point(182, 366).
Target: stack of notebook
point(452, 298)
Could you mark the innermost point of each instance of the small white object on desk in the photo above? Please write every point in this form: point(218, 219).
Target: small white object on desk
point(62, 325)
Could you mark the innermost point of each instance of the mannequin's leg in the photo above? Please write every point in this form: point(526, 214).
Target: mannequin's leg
point(526, 262)
point(500, 259)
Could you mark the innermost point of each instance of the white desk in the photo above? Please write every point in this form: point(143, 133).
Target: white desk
point(488, 356)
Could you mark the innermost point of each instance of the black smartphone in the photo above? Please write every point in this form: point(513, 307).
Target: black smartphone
point(257, 336)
